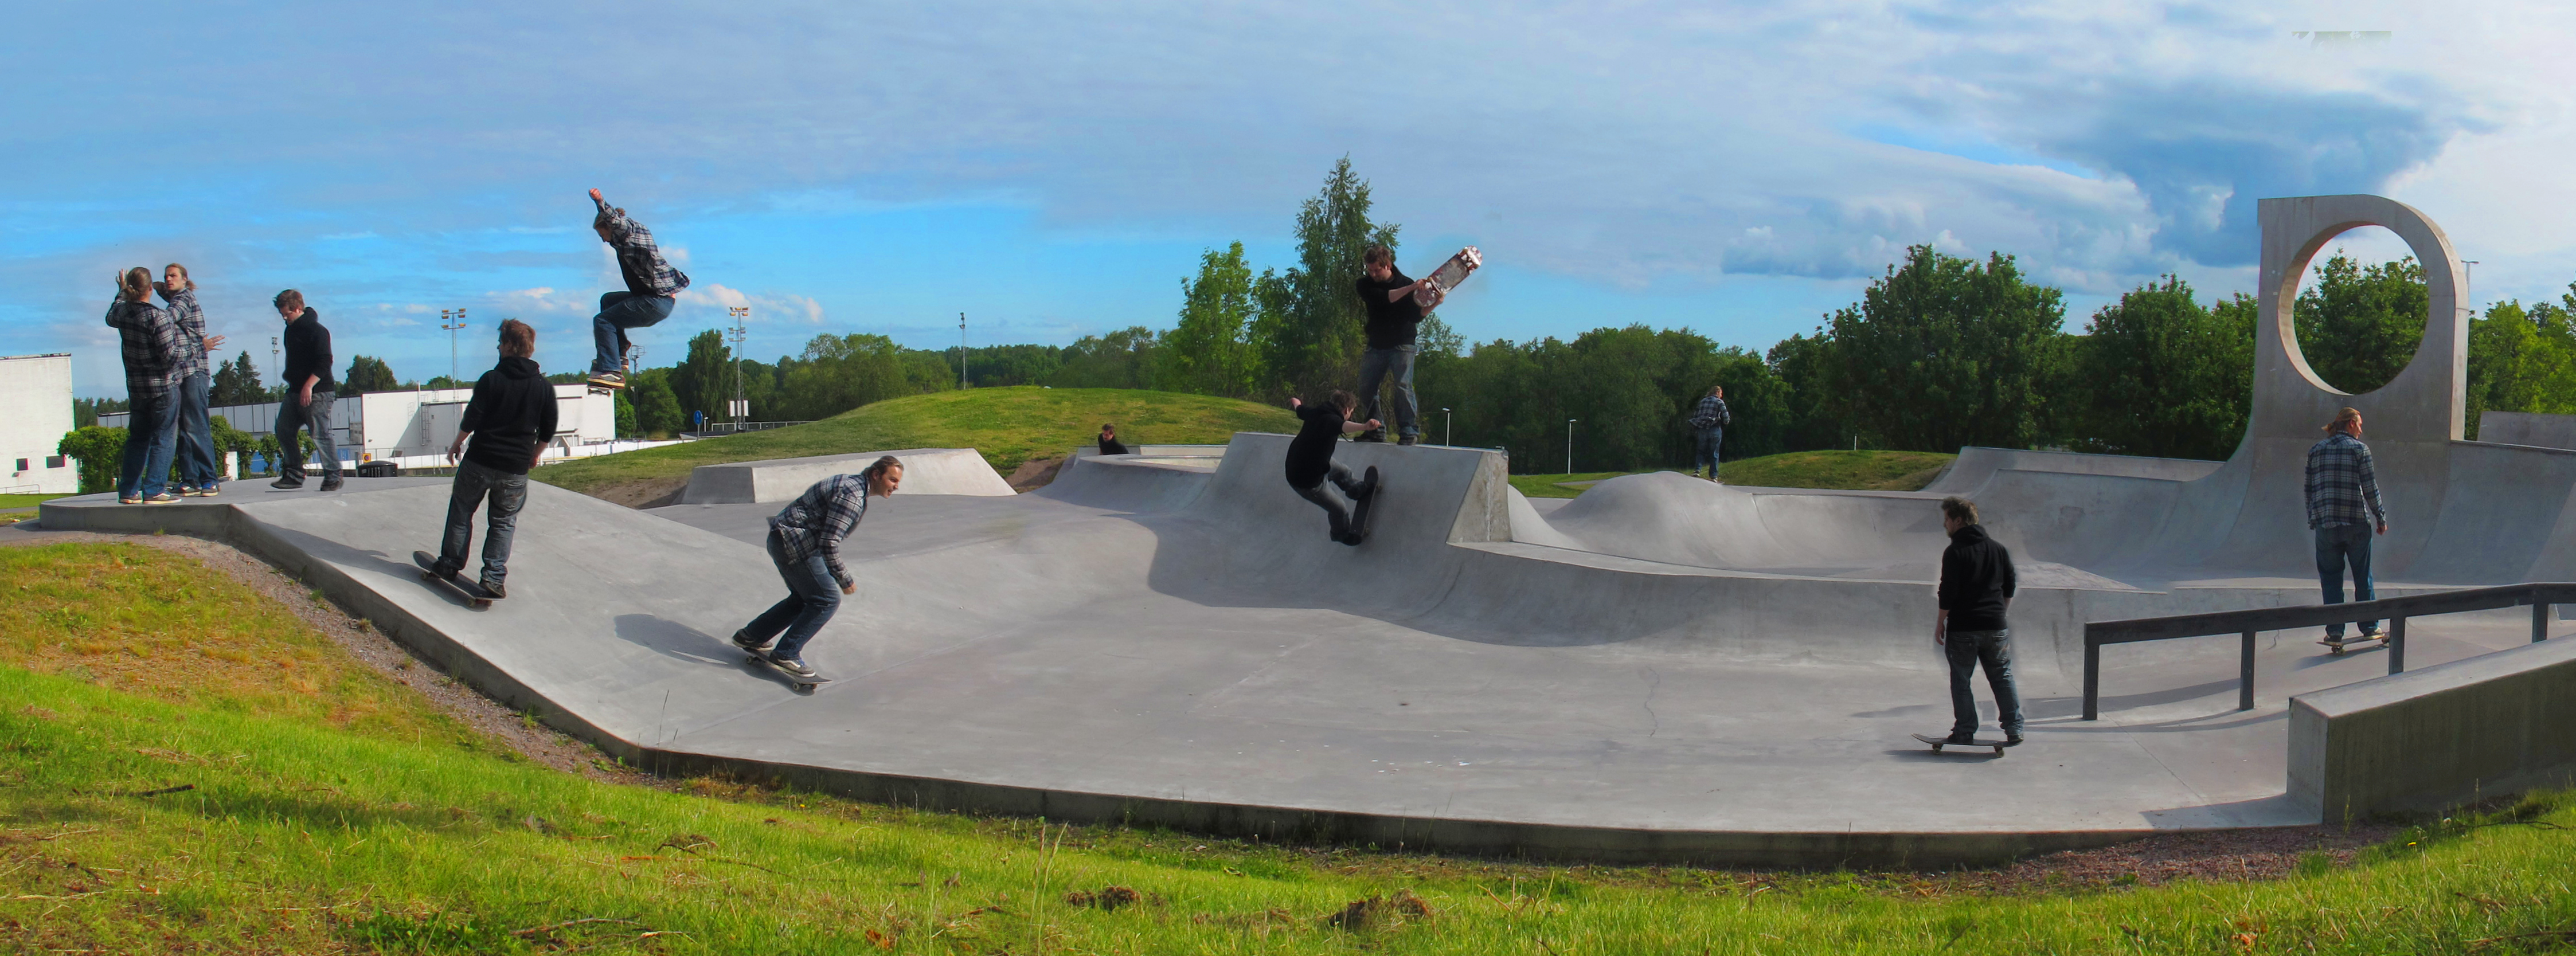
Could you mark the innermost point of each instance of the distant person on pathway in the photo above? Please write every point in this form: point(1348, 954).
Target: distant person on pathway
point(1392, 320)
point(511, 418)
point(1977, 585)
point(652, 288)
point(1109, 443)
point(1310, 460)
point(1708, 429)
point(2343, 508)
point(805, 543)
point(309, 394)
point(200, 473)
point(149, 343)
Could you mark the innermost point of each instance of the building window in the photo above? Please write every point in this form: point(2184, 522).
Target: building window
point(22, 465)
point(55, 461)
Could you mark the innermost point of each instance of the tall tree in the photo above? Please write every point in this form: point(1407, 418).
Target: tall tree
point(2521, 360)
point(237, 383)
point(2359, 325)
point(1207, 352)
point(1310, 321)
point(1945, 352)
point(2161, 375)
point(366, 374)
point(1120, 359)
point(657, 410)
point(703, 382)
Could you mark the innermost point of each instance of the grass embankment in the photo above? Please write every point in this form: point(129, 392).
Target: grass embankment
point(1859, 470)
point(8, 502)
point(189, 768)
point(1008, 425)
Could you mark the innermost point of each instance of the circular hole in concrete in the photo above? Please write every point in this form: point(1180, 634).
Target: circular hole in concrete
point(2360, 312)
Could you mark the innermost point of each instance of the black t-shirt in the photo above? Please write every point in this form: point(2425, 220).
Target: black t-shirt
point(1112, 446)
point(1390, 324)
point(1310, 454)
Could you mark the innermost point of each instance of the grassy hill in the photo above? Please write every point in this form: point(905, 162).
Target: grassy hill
point(1861, 470)
point(1008, 425)
point(185, 766)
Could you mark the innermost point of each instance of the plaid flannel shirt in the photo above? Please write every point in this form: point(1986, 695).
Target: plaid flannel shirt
point(2342, 488)
point(1712, 408)
point(191, 324)
point(817, 520)
point(150, 344)
point(646, 272)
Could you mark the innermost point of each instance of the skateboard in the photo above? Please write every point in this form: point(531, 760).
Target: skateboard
point(804, 685)
point(2338, 648)
point(1940, 742)
point(625, 373)
point(1367, 508)
point(472, 593)
point(1451, 273)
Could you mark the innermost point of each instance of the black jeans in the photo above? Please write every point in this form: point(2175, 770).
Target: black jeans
point(317, 417)
point(1375, 366)
point(2338, 545)
point(1340, 517)
point(1966, 650)
point(813, 596)
point(151, 430)
point(475, 483)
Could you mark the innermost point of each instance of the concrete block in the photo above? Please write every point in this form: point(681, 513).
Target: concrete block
point(2436, 738)
point(926, 471)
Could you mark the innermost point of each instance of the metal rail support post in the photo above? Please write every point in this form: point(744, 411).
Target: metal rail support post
point(2539, 619)
point(2092, 679)
point(2397, 645)
point(2245, 675)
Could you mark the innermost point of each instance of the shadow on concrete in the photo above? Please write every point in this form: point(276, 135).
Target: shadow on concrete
point(678, 641)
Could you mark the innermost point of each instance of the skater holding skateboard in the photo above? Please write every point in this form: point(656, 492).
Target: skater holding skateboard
point(805, 543)
point(652, 288)
point(1394, 311)
point(2343, 508)
point(510, 418)
point(1976, 587)
point(1310, 463)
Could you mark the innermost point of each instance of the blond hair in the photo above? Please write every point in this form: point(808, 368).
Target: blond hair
point(2349, 414)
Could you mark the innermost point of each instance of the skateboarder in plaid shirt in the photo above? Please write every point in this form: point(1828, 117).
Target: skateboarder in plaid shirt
point(2343, 509)
point(805, 543)
point(652, 288)
point(1310, 460)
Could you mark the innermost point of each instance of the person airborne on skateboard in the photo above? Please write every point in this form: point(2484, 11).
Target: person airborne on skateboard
point(805, 543)
point(652, 288)
point(511, 418)
point(1310, 461)
point(1977, 586)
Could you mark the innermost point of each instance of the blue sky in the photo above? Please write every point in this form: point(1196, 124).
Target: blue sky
point(1055, 170)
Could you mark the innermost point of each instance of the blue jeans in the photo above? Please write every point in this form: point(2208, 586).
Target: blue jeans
point(2338, 545)
point(1705, 452)
point(812, 597)
point(1375, 366)
point(150, 427)
point(474, 484)
point(1334, 514)
point(1966, 650)
point(200, 465)
point(316, 417)
point(619, 311)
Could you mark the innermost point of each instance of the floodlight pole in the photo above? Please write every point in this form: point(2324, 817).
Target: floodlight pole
point(451, 320)
point(1444, 428)
point(2471, 293)
point(961, 351)
point(1569, 446)
point(740, 410)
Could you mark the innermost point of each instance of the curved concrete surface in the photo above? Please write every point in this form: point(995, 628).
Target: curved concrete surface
point(926, 471)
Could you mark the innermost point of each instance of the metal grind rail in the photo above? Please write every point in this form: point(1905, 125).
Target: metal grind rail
point(2539, 595)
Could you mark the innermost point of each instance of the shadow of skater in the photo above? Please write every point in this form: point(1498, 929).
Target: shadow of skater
point(675, 640)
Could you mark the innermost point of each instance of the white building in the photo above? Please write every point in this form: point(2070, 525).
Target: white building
point(35, 413)
point(413, 429)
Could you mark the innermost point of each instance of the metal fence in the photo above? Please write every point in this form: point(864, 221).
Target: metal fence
point(728, 428)
point(2539, 595)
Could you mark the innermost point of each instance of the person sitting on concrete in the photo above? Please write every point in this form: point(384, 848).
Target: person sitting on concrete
point(1977, 586)
point(1708, 430)
point(652, 289)
point(1109, 443)
point(200, 475)
point(805, 543)
point(1310, 460)
point(309, 394)
point(149, 343)
point(1393, 318)
point(511, 418)
point(2343, 507)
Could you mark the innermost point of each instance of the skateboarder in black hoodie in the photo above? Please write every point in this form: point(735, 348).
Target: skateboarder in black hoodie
point(511, 418)
point(1977, 586)
point(1310, 460)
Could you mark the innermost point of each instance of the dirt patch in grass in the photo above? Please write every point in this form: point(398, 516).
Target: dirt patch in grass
point(644, 492)
point(1035, 473)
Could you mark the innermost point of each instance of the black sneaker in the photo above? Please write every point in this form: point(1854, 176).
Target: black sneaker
point(1351, 538)
point(1408, 440)
point(610, 380)
point(792, 666)
point(494, 589)
point(330, 481)
point(2012, 740)
point(287, 482)
point(1967, 738)
point(1375, 435)
point(742, 639)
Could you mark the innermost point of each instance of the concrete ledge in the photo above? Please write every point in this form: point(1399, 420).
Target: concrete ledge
point(2432, 739)
point(926, 471)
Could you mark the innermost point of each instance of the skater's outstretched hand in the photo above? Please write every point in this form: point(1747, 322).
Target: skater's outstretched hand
point(594, 195)
point(1293, 401)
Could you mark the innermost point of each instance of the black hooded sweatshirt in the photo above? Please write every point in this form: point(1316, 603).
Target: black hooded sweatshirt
point(511, 416)
point(1976, 581)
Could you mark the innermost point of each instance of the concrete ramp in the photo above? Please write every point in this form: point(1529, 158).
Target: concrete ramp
point(926, 471)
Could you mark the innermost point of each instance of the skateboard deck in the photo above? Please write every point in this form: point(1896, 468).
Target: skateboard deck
point(2339, 648)
point(804, 685)
point(1940, 742)
point(1452, 272)
point(1366, 510)
point(471, 592)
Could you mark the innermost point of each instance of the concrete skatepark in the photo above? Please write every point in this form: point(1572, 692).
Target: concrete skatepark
point(1662, 670)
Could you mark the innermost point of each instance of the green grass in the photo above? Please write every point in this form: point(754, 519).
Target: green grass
point(329, 809)
point(1008, 425)
point(1863, 470)
point(1550, 486)
point(24, 501)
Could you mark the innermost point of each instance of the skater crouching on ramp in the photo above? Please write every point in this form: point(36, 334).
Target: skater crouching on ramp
point(652, 289)
point(1310, 462)
point(510, 418)
point(805, 542)
point(1977, 585)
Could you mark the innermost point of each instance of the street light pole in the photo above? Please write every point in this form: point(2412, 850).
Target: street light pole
point(961, 351)
point(1569, 446)
point(2471, 293)
point(451, 320)
point(1444, 428)
point(740, 410)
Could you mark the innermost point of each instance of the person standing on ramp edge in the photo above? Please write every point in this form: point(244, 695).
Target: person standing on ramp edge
point(805, 543)
point(1977, 586)
point(1310, 461)
point(2343, 508)
point(1708, 430)
point(310, 396)
point(652, 288)
point(511, 418)
point(149, 343)
point(1393, 315)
